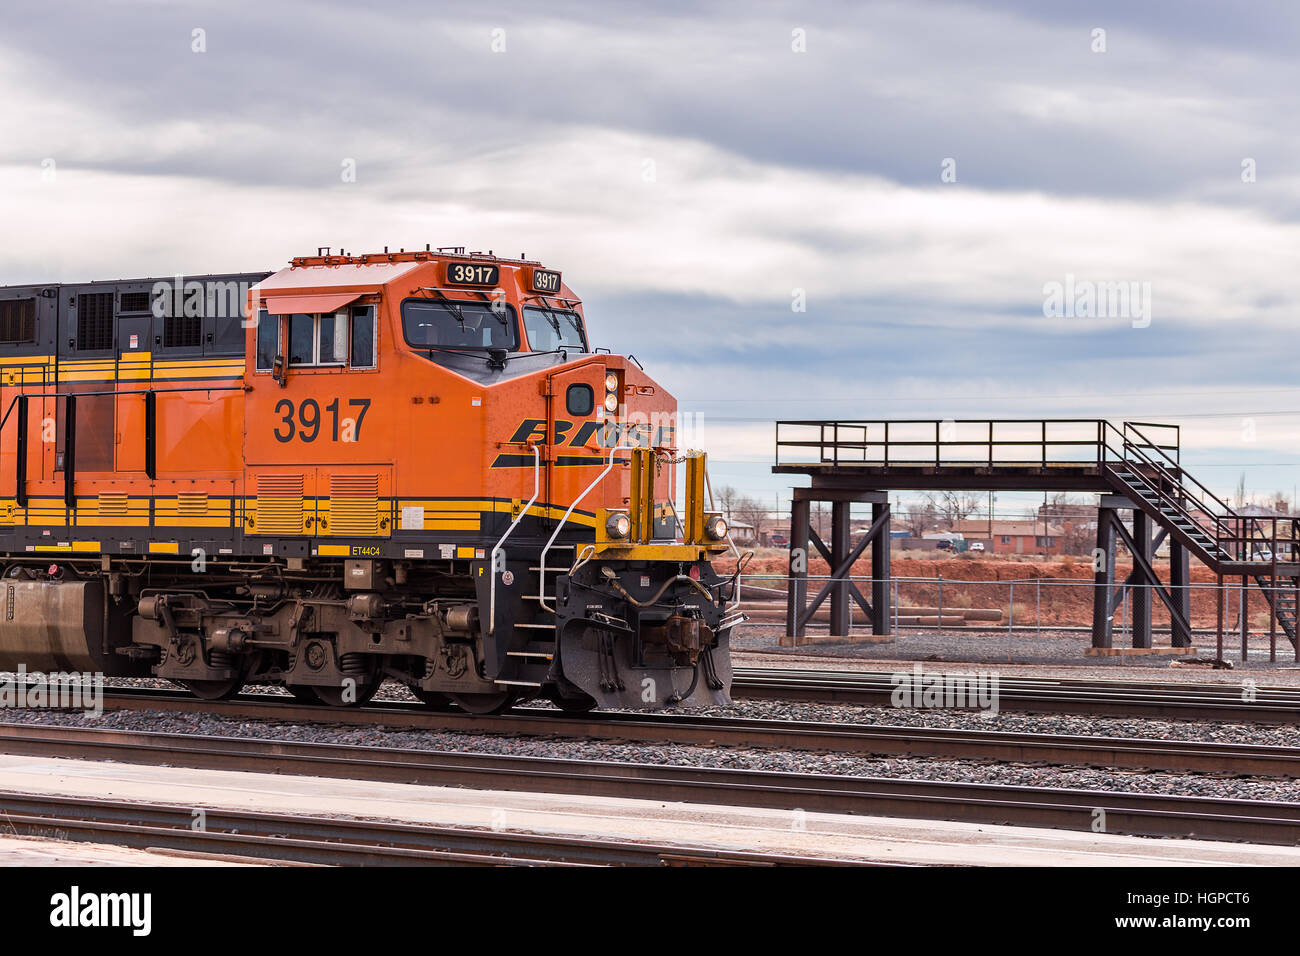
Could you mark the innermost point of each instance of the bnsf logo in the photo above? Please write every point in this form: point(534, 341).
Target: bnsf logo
point(643, 433)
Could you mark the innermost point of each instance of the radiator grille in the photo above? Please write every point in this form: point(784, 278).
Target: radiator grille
point(182, 331)
point(354, 504)
point(18, 320)
point(279, 504)
point(94, 321)
point(133, 302)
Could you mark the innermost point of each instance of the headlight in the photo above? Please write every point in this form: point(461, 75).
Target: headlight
point(611, 382)
point(611, 402)
point(716, 527)
point(618, 525)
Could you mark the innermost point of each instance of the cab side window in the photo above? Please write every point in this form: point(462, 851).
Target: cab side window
point(268, 340)
point(302, 339)
point(346, 337)
point(361, 353)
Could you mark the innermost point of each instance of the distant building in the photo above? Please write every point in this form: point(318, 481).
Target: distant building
point(1014, 537)
point(742, 534)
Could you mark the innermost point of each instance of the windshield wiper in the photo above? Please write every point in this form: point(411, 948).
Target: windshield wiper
point(571, 317)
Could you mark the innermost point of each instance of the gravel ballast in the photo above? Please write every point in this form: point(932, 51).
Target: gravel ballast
point(933, 769)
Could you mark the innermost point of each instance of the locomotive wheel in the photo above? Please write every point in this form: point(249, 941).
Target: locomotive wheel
point(573, 705)
point(432, 699)
point(484, 704)
point(303, 692)
point(214, 689)
point(334, 695)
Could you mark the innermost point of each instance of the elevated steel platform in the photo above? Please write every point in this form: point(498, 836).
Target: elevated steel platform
point(1134, 466)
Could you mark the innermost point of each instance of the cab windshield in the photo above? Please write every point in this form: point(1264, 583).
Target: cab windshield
point(451, 324)
point(551, 329)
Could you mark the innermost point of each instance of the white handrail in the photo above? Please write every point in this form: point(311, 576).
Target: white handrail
point(541, 574)
point(708, 485)
point(537, 485)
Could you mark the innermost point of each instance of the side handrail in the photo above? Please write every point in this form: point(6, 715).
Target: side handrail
point(69, 466)
point(131, 391)
point(836, 442)
point(496, 548)
point(541, 573)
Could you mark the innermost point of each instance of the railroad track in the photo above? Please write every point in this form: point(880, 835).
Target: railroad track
point(1132, 813)
point(1178, 756)
point(333, 841)
point(1183, 701)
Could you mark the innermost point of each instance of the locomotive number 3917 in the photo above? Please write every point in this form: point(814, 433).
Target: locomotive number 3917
point(305, 420)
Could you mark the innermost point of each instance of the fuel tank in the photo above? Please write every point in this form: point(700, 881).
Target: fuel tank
point(60, 626)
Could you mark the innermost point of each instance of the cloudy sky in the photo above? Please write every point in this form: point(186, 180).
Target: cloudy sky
point(809, 210)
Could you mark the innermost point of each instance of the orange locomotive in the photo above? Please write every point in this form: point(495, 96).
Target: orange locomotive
point(408, 466)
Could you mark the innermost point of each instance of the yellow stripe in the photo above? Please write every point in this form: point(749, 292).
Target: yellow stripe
point(164, 547)
point(334, 550)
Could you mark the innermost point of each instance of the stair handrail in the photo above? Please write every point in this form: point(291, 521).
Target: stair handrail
point(1243, 529)
point(497, 548)
point(1128, 451)
point(541, 574)
point(1230, 527)
point(1183, 476)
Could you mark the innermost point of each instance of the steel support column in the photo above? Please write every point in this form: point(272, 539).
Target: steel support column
point(800, 514)
point(1142, 590)
point(1103, 577)
point(880, 611)
point(840, 606)
point(1244, 617)
point(1179, 588)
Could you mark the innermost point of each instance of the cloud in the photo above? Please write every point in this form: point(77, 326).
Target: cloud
point(693, 177)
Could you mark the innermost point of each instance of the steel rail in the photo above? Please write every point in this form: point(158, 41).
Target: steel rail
point(1181, 756)
point(336, 841)
point(1132, 813)
point(1036, 695)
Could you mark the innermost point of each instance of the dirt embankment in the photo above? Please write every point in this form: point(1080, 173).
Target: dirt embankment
point(1057, 588)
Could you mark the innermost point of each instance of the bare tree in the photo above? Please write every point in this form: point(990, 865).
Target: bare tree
point(952, 507)
point(919, 518)
point(725, 499)
point(751, 511)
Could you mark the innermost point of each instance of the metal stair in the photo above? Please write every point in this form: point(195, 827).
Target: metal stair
point(1143, 472)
